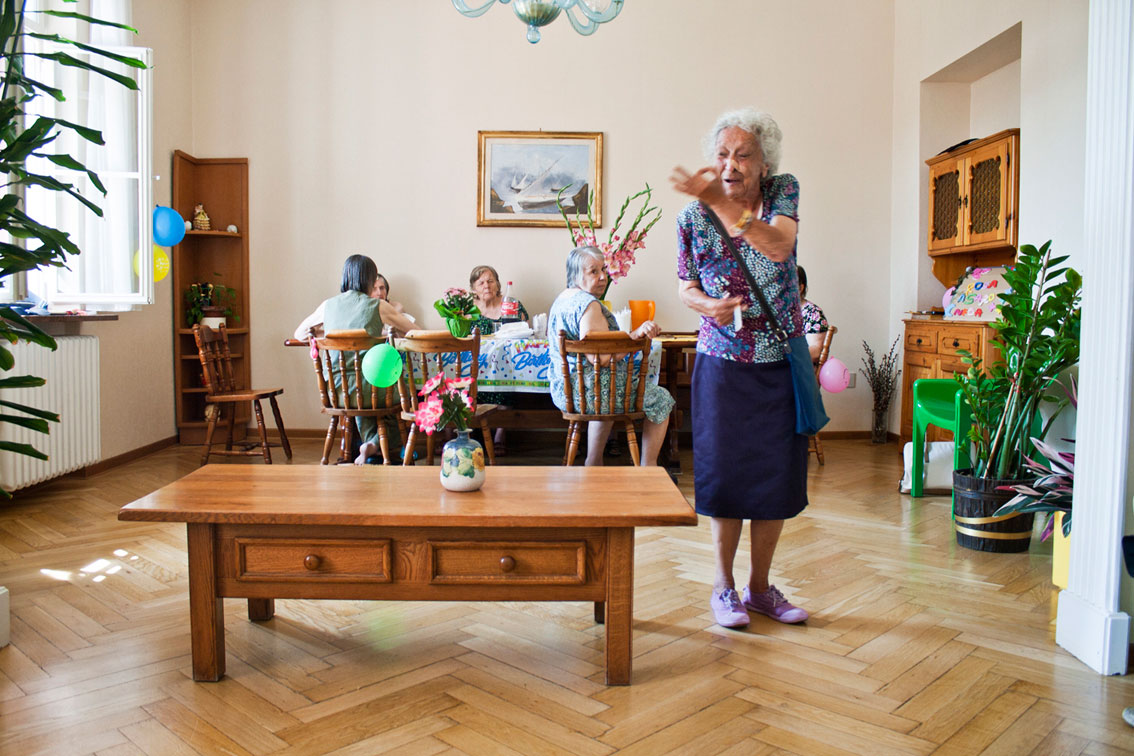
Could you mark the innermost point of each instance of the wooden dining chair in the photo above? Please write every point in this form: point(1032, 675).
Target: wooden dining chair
point(626, 367)
point(223, 396)
point(813, 442)
point(426, 354)
point(336, 356)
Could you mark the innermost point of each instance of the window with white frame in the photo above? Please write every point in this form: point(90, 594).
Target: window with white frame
point(115, 269)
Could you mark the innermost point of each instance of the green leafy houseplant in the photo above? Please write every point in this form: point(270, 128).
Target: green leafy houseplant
point(1054, 486)
point(25, 243)
point(202, 297)
point(1038, 332)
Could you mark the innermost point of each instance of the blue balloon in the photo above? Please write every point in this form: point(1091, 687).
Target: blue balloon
point(169, 226)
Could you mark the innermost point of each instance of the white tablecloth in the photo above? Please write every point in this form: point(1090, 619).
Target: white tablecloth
point(523, 365)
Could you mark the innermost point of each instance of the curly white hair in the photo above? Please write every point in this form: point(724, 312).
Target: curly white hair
point(757, 123)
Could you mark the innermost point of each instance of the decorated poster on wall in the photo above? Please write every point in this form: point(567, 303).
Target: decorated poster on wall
point(975, 298)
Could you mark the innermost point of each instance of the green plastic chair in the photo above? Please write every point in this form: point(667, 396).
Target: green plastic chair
point(940, 402)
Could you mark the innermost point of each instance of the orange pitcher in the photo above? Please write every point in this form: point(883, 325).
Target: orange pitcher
point(641, 310)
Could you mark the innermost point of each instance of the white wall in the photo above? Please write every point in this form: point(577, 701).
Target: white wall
point(929, 37)
point(995, 101)
point(360, 118)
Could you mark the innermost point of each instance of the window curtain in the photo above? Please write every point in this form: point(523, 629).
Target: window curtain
point(109, 244)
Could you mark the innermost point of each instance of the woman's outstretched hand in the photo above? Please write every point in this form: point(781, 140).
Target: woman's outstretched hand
point(705, 184)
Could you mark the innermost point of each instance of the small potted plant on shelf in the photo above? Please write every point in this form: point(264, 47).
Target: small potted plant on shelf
point(209, 304)
point(1038, 335)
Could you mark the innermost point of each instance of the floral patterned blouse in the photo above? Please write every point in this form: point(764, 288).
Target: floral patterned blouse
point(814, 321)
point(702, 257)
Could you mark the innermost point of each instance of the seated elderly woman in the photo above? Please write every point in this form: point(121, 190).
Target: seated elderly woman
point(357, 307)
point(485, 284)
point(312, 325)
point(578, 312)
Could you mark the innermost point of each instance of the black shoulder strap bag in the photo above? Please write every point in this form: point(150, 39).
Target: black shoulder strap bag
point(809, 414)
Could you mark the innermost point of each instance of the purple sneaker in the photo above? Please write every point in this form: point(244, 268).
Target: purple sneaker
point(727, 609)
point(772, 603)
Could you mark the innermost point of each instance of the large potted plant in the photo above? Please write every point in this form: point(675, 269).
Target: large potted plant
point(1050, 493)
point(1038, 334)
point(28, 244)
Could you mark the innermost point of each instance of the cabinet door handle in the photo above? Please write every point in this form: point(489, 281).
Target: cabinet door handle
point(507, 564)
point(312, 561)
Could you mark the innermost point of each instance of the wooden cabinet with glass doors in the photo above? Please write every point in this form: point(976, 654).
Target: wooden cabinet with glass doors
point(974, 200)
point(216, 256)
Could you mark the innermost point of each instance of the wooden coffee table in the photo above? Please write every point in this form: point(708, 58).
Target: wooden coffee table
point(375, 532)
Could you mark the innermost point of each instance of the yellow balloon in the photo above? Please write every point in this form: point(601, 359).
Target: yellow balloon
point(161, 263)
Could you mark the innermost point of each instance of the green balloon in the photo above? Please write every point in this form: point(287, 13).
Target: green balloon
point(382, 366)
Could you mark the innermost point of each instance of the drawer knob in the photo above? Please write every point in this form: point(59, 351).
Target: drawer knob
point(956, 343)
point(919, 341)
point(312, 561)
point(507, 564)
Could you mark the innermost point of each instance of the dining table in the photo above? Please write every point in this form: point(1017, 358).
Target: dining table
point(521, 367)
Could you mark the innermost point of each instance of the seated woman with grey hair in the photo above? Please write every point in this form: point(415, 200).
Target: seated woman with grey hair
point(578, 312)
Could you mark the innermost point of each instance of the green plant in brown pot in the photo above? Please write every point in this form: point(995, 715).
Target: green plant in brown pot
point(1038, 335)
point(209, 300)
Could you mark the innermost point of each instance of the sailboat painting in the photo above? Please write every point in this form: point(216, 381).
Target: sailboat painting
point(522, 174)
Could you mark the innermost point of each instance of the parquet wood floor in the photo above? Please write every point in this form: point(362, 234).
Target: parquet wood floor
point(914, 647)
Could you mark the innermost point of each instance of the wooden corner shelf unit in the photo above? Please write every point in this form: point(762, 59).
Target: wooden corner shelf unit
point(216, 256)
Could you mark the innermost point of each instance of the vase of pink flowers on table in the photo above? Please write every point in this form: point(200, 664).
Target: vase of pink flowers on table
point(619, 248)
point(447, 400)
point(459, 309)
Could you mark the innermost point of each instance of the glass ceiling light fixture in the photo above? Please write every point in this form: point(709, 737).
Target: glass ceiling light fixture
point(536, 13)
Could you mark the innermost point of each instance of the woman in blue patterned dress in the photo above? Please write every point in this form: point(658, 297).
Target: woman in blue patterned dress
point(578, 311)
point(750, 463)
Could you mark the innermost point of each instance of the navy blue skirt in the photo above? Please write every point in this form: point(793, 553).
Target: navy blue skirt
point(748, 461)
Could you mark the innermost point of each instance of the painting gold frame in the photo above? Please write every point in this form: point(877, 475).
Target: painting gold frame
point(519, 173)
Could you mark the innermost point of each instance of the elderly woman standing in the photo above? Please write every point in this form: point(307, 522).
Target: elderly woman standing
point(751, 464)
point(578, 312)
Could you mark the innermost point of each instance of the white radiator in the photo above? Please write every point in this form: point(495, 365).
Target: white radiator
point(71, 372)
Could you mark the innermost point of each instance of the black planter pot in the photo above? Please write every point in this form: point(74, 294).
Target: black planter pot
point(976, 499)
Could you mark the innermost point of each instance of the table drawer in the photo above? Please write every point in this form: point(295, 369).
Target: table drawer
point(950, 341)
point(317, 560)
point(921, 339)
point(507, 562)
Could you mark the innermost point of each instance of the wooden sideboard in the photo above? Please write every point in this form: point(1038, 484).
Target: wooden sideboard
point(931, 347)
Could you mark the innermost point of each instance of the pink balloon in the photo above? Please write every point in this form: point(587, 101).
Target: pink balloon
point(945, 300)
point(834, 376)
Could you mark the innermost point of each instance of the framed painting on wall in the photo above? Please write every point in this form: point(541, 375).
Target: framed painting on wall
point(520, 174)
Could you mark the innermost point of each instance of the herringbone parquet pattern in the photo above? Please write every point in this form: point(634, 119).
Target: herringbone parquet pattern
point(915, 646)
